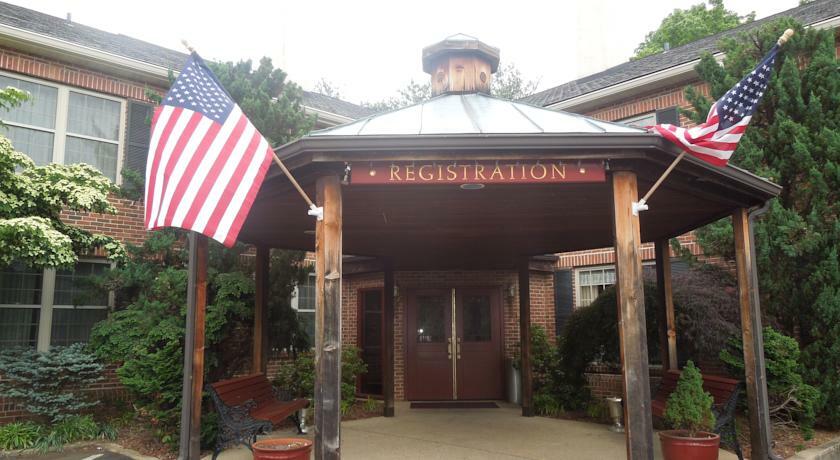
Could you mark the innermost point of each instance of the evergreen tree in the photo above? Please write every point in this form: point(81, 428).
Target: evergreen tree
point(272, 103)
point(794, 140)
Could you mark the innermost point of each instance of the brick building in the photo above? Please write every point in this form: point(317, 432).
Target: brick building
point(90, 105)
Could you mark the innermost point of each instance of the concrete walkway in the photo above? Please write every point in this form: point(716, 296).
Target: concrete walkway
point(472, 434)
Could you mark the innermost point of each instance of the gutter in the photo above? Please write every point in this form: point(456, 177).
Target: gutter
point(333, 119)
point(27, 39)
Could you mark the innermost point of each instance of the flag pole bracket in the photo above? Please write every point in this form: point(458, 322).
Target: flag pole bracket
point(639, 206)
point(316, 211)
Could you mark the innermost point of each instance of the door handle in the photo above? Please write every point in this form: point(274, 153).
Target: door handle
point(458, 349)
point(449, 349)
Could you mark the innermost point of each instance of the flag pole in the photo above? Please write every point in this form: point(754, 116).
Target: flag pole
point(642, 205)
point(316, 211)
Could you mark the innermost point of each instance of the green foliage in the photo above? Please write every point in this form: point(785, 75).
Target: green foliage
point(19, 435)
point(689, 407)
point(555, 389)
point(371, 404)
point(146, 332)
point(31, 200)
point(272, 103)
point(297, 375)
point(48, 384)
point(597, 409)
point(791, 399)
point(591, 333)
point(794, 140)
point(133, 185)
point(288, 269)
point(507, 83)
point(685, 26)
point(411, 94)
point(32, 197)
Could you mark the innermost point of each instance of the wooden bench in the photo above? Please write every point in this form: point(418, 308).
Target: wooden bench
point(249, 406)
point(725, 392)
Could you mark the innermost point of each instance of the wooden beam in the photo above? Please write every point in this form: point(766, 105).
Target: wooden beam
point(525, 338)
point(761, 436)
point(665, 316)
point(190, 448)
point(328, 320)
point(259, 356)
point(631, 319)
point(388, 346)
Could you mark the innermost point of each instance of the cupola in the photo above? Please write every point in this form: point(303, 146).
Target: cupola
point(460, 64)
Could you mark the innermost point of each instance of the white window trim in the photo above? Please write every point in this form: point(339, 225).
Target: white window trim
point(60, 132)
point(294, 299)
point(579, 270)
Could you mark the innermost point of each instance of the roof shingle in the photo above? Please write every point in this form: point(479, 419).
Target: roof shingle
point(333, 105)
point(809, 13)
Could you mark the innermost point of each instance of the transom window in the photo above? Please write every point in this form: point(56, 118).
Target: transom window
point(60, 124)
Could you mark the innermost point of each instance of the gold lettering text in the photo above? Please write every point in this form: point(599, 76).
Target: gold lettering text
point(465, 168)
point(451, 174)
point(409, 172)
point(479, 172)
point(428, 175)
point(544, 171)
point(558, 171)
point(498, 171)
point(395, 172)
point(440, 172)
point(523, 172)
point(511, 171)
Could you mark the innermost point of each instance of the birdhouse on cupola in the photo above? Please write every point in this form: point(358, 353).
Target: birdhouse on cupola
point(460, 64)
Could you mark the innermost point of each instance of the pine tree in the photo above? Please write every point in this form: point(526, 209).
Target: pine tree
point(794, 140)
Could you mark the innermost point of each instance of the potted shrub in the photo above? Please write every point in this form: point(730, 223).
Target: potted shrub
point(689, 413)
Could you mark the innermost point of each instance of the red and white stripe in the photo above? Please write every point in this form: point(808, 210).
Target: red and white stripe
point(706, 141)
point(203, 175)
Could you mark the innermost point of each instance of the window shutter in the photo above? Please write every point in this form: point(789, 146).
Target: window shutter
point(563, 298)
point(669, 115)
point(139, 135)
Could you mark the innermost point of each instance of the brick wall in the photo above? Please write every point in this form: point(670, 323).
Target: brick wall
point(73, 75)
point(126, 225)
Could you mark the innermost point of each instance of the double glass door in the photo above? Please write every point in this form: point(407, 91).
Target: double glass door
point(454, 344)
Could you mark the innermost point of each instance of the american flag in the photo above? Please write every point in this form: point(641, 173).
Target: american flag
point(206, 160)
point(716, 139)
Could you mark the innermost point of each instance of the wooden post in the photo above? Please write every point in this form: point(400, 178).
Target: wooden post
point(525, 337)
point(631, 319)
point(388, 346)
point(751, 333)
point(328, 320)
point(190, 448)
point(666, 318)
point(259, 356)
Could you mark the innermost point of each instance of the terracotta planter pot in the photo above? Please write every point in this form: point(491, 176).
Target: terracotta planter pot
point(679, 445)
point(282, 449)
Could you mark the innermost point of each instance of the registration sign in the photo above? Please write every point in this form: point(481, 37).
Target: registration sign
point(480, 172)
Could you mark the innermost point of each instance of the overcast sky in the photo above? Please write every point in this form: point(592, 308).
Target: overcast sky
point(369, 49)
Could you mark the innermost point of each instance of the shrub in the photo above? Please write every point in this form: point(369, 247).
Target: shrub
point(689, 407)
point(792, 401)
point(555, 390)
point(297, 375)
point(49, 384)
point(19, 435)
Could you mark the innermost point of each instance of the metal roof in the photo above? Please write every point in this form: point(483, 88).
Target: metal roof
point(473, 114)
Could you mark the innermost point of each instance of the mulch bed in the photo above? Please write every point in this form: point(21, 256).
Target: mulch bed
point(787, 440)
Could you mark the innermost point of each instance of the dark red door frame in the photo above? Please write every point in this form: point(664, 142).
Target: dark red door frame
point(360, 330)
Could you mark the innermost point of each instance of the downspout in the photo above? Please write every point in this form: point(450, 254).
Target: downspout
point(758, 337)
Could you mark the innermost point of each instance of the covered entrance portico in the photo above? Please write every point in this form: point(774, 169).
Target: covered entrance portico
point(467, 182)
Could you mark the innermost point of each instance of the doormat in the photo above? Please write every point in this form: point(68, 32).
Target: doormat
point(455, 405)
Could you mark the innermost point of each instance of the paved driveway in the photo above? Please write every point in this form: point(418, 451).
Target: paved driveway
point(425, 434)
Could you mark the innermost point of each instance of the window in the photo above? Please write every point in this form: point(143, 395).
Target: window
point(63, 125)
point(592, 281)
point(303, 302)
point(50, 307)
point(640, 121)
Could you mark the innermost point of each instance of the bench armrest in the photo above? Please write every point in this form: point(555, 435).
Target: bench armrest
point(281, 394)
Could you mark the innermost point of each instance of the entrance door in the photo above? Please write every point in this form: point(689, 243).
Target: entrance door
point(454, 344)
